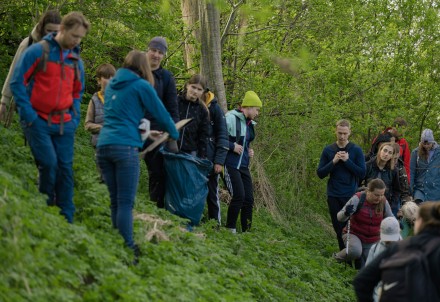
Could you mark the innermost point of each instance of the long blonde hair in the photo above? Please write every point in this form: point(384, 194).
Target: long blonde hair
point(391, 163)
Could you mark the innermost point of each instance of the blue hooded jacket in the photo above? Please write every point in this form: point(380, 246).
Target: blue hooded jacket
point(425, 175)
point(128, 97)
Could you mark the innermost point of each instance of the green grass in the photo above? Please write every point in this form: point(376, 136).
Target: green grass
point(44, 258)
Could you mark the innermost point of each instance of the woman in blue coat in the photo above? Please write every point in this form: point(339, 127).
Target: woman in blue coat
point(128, 97)
point(425, 169)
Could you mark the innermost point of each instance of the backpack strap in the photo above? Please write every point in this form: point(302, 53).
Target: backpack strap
point(42, 64)
point(362, 196)
point(237, 129)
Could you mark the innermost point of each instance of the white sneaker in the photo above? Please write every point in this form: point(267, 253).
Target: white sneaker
point(233, 231)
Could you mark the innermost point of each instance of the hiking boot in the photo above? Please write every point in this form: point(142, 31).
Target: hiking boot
point(137, 254)
point(338, 258)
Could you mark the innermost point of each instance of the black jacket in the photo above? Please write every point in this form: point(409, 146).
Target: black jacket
point(165, 87)
point(370, 275)
point(194, 136)
point(217, 134)
point(389, 177)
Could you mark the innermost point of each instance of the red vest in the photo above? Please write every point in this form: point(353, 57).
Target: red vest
point(365, 223)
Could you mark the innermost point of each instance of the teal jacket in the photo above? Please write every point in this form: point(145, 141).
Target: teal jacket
point(128, 97)
point(240, 131)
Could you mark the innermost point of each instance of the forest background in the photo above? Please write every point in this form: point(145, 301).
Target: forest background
point(311, 63)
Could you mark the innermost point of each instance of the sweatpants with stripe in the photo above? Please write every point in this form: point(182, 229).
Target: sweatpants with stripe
point(239, 184)
point(213, 198)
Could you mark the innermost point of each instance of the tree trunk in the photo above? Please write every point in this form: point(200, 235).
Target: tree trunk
point(190, 17)
point(211, 60)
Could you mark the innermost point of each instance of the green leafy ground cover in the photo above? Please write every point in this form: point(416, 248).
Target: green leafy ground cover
point(46, 259)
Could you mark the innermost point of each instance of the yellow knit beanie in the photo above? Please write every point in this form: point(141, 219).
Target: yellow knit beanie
point(251, 99)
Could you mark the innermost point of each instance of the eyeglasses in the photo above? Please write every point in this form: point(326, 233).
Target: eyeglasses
point(427, 143)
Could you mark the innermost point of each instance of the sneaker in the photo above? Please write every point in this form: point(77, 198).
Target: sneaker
point(338, 258)
point(233, 231)
point(137, 254)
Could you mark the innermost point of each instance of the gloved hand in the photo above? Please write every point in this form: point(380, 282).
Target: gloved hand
point(349, 210)
point(171, 146)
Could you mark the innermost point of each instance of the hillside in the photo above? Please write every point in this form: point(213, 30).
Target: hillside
point(46, 259)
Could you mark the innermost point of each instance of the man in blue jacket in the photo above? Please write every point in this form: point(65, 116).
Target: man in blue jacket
point(345, 163)
point(48, 83)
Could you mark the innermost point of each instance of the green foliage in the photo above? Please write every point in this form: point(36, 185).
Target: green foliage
point(45, 258)
point(311, 63)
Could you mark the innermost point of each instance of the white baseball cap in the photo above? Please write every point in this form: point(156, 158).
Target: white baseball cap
point(390, 229)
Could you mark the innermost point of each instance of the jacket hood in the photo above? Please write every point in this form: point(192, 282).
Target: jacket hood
point(210, 98)
point(241, 116)
point(238, 113)
point(123, 78)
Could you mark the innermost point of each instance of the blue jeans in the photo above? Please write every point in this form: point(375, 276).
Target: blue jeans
point(120, 170)
point(54, 154)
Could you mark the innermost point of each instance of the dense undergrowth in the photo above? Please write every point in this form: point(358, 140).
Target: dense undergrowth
point(46, 259)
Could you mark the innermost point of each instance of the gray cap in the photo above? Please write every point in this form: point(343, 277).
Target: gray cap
point(390, 229)
point(427, 136)
point(158, 43)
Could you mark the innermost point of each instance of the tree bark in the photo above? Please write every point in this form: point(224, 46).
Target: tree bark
point(211, 60)
point(190, 17)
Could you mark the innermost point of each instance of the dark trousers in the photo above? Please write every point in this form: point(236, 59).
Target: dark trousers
point(213, 198)
point(335, 204)
point(239, 184)
point(156, 176)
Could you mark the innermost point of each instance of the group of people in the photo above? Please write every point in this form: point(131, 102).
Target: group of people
point(374, 199)
point(46, 80)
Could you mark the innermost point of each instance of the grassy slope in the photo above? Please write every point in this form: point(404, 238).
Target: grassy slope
point(44, 258)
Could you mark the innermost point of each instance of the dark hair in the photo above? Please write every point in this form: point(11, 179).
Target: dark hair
point(73, 19)
point(400, 121)
point(50, 17)
point(137, 61)
point(380, 139)
point(429, 212)
point(374, 184)
point(105, 71)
